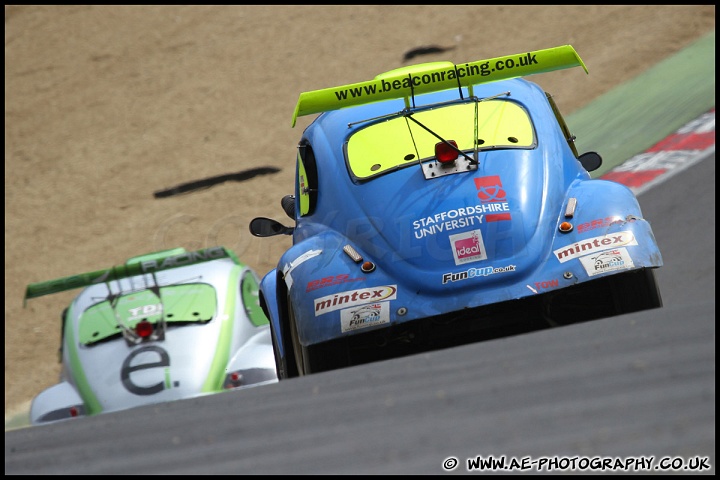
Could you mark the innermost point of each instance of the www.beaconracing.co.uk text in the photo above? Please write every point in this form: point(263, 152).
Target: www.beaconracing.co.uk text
point(458, 71)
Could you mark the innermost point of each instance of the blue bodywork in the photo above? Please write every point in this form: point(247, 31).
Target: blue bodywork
point(446, 244)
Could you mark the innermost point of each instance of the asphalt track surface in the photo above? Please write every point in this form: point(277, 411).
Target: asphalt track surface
point(631, 386)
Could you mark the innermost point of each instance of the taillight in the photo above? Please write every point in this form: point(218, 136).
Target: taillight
point(233, 380)
point(566, 227)
point(144, 329)
point(445, 153)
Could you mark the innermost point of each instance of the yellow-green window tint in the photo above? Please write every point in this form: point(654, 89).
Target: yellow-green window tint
point(303, 191)
point(400, 141)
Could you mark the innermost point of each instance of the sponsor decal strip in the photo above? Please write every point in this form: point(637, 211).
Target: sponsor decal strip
point(607, 261)
point(351, 298)
point(331, 280)
point(364, 316)
point(475, 272)
point(468, 247)
point(587, 246)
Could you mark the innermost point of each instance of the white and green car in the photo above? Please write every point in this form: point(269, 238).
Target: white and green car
point(164, 326)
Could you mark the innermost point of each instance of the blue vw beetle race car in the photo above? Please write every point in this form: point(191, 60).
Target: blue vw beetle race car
point(440, 204)
point(164, 326)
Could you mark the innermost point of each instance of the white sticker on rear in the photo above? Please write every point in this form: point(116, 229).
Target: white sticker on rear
point(588, 246)
point(607, 261)
point(364, 316)
point(289, 267)
point(350, 298)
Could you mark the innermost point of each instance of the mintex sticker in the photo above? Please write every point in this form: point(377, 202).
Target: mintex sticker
point(607, 261)
point(596, 244)
point(351, 298)
point(364, 316)
point(468, 247)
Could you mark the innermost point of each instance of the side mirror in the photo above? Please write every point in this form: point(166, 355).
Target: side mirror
point(590, 161)
point(267, 227)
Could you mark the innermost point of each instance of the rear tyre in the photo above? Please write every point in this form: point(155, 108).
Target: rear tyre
point(315, 358)
point(617, 294)
point(297, 349)
point(285, 369)
point(286, 363)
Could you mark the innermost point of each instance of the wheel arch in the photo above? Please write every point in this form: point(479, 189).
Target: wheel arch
point(272, 296)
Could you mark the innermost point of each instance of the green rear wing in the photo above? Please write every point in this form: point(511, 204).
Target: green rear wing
point(413, 80)
point(145, 264)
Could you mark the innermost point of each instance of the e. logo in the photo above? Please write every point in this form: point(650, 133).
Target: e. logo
point(127, 369)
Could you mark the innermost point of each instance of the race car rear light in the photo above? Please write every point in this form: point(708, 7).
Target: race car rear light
point(144, 329)
point(233, 380)
point(368, 267)
point(445, 153)
point(74, 411)
point(566, 227)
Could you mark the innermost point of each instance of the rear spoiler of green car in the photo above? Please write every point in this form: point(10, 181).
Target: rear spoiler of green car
point(144, 264)
point(412, 80)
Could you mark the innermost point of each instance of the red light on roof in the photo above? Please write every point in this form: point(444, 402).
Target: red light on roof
point(144, 329)
point(445, 153)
